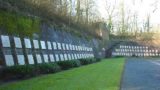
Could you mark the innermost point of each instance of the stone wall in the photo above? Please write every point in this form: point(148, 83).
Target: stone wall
point(21, 51)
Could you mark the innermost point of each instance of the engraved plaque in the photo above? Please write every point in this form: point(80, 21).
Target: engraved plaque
point(45, 56)
point(27, 43)
point(39, 58)
point(72, 57)
point(65, 57)
point(59, 46)
point(67, 47)
point(17, 42)
point(73, 47)
point(63, 45)
point(49, 45)
point(5, 41)
point(75, 56)
point(9, 60)
point(43, 45)
point(70, 47)
point(57, 57)
point(51, 57)
point(21, 60)
point(36, 44)
point(54, 45)
point(61, 57)
point(69, 57)
point(30, 59)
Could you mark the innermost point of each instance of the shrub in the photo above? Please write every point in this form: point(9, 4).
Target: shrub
point(68, 64)
point(18, 72)
point(85, 61)
point(98, 59)
point(47, 68)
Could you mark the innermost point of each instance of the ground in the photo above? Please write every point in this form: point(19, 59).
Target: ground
point(105, 75)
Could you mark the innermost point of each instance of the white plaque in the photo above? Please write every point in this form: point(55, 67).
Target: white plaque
point(65, 57)
point(72, 57)
point(69, 57)
point(45, 56)
point(5, 41)
point(61, 57)
point(63, 45)
point(51, 57)
point(9, 60)
point(39, 58)
point(43, 45)
point(75, 56)
point(70, 47)
point(30, 59)
point(59, 46)
point(21, 60)
point(54, 45)
point(36, 44)
point(49, 45)
point(27, 43)
point(17, 42)
point(67, 47)
point(57, 57)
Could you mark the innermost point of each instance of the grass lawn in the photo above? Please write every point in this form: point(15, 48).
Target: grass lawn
point(104, 75)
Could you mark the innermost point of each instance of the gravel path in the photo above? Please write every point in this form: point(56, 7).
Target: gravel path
point(141, 74)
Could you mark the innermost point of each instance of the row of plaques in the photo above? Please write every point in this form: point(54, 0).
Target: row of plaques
point(136, 50)
point(42, 44)
point(135, 54)
point(45, 58)
point(133, 47)
point(40, 57)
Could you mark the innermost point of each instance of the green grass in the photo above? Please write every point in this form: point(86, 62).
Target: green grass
point(104, 75)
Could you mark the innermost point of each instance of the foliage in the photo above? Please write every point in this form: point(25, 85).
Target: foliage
point(87, 61)
point(105, 75)
point(25, 71)
point(68, 64)
point(47, 68)
point(15, 24)
point(16, 72)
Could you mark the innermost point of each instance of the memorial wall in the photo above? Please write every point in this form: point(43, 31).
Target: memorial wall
point(135, 50)
point(22, 51)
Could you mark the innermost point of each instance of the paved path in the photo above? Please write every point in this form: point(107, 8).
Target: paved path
point(141, 75)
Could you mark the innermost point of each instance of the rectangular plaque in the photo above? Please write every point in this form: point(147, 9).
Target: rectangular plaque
point(5, 41)
point(67, 47)
point(63, 45)
point(54, 45)
point(51, 58)
point(17, 42)
point(69, 57)
point(45, 56)
point(9, 60)
point(73, 46)
point(75, 56)
point(27, 43)
point(21, 60)
point(70, 47)
point(49, 45)
point(61, 57)
point(39, 58)
point(36, 44)
point(43, 44)
point(57, 57)
point(65, 57)
point(30, 59)
point(59, 46)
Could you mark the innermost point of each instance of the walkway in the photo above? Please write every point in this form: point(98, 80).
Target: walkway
point(141, 74)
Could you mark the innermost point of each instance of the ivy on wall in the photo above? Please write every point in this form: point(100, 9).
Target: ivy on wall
point(15, 24)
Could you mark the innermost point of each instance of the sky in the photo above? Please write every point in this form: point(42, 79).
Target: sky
point(142, 7)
